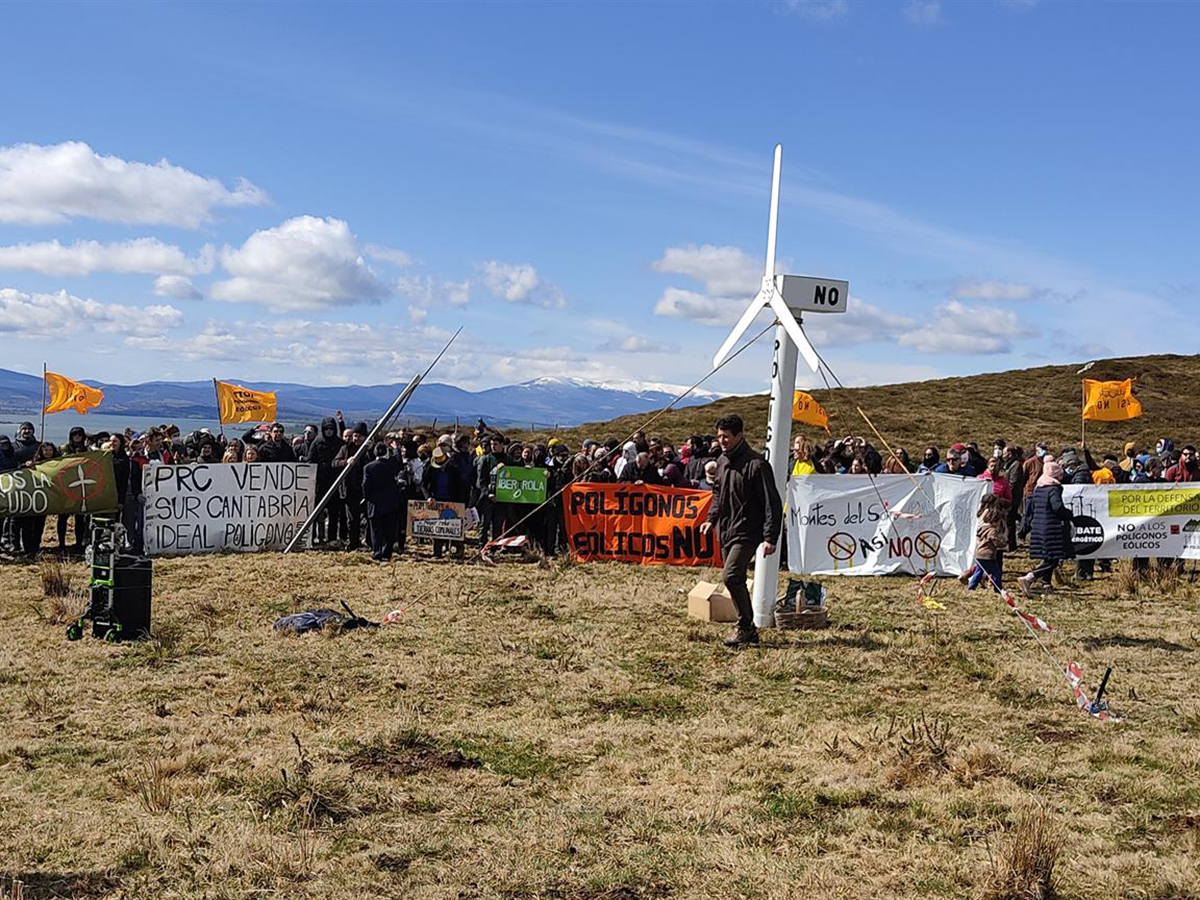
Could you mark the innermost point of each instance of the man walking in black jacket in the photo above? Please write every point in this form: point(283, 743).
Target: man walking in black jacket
point(746, 511)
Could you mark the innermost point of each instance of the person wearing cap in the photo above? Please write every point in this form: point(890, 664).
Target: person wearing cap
point(954, 462)
point(350, 489)
point(440, 481)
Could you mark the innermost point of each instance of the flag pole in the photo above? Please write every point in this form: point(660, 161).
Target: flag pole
point(42, 433)
point(1083, 416)
point(220, 421)
point(392, 411)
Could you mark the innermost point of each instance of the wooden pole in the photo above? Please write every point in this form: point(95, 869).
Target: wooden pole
point(45, 389)
point(1083, 416)
point(220, 421)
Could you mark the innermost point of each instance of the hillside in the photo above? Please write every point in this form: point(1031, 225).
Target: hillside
point(1022, 405)
point(543, 400)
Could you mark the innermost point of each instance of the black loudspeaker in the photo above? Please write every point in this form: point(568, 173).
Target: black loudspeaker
point(120, 603)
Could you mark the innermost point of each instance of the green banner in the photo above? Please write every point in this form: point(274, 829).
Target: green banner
point(83, 483)
point(517, 484)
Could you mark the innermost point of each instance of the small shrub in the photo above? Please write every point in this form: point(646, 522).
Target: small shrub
point(152, 788)
point(1024, 867)
point(56, 580)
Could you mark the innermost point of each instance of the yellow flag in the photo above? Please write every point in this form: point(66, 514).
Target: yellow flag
point(238, 404)
point(67, 394)
point(1110, 401)
point(806, 409)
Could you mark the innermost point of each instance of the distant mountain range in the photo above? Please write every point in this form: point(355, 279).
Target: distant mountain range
point(546, 401)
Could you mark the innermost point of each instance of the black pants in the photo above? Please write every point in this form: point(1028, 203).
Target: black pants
point(484, 507)
point(738, 558)
point(1044, 571)
point(82, 524)
point(29, 530)
point(383, 535)
point(353, 523)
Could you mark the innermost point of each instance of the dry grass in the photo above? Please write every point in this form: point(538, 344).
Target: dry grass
point(56, 579)
point(564, 731)
point(1038, 404)
point(1024, 868)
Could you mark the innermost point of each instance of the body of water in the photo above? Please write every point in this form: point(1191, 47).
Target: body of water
point(59, 425)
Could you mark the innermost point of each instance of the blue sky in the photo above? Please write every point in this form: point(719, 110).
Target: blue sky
point(322, 192)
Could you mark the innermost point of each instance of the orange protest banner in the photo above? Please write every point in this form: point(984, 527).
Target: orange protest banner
point(66, 393)
point(654, 526)
point(1110, 401)
point(238, 404)
point(806, 409)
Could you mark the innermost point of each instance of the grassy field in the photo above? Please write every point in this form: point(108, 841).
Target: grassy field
point(564, 731)
point(1023, 406)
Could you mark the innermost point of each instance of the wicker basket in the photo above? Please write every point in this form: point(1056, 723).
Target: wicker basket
point(806, 617)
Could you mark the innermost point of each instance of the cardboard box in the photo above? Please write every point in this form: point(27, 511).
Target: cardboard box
point(712, 603)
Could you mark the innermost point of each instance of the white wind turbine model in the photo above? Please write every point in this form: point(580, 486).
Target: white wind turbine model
point(788, 296)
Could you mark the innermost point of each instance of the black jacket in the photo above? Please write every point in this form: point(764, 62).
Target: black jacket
point(269, 451)
point(746, 508)
point(24, 451)
point(648, 475)
point(351, 486)
point(322, 450)
point(379, 488)
point(1051, 536)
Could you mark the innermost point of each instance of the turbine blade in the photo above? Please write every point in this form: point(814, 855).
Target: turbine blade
point(756, 306)
point(795, 332)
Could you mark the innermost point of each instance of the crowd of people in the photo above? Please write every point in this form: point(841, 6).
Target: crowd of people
point(461, 467)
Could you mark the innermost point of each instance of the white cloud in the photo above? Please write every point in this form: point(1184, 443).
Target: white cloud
point(521, 283)
point(304, 263)
point(723, 270)
point(861, 323)
point(996, 290)
point(968, 330)
point(676, 303)
point(636, 343)
point(819, 10)
point(923, 12)
point(49, 184)
point(55, 315)
point(82, 258)
point(388, 350)
point(425, 292)
point(178, 287)
point(397, 258)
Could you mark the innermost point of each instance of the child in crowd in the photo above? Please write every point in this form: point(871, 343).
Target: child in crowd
point(991, 539)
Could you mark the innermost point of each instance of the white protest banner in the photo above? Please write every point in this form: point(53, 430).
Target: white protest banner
point(1122, 521)
point(225, 506)
point(845, 525)
point(436, 519)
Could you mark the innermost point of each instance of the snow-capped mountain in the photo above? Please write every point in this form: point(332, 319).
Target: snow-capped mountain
point(543, 401)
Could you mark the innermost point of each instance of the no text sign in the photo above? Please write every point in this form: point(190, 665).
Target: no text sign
point(820, 295)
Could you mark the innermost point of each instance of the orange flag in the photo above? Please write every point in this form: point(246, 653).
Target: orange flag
point(806, 409)
point(67, 394)
point(238, 404)
point(1110, 401)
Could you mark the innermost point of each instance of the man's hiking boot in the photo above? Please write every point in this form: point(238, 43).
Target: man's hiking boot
point(742, 638)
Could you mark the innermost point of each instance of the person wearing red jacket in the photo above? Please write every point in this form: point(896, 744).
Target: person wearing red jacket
point(1188, 467)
